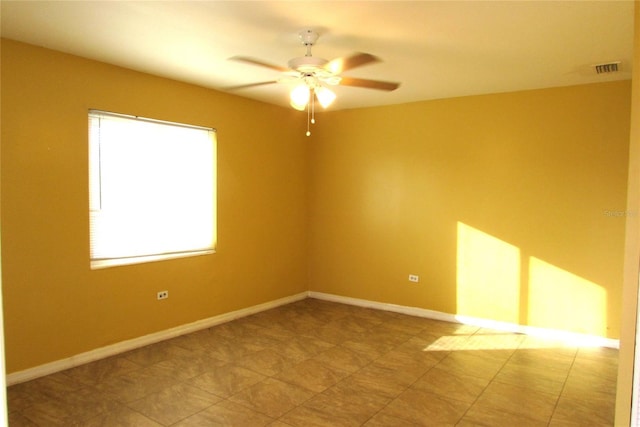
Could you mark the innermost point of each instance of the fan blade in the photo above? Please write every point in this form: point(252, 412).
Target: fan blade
point(369, 84)
point(249, 85)
point(258, 62)
point(338, 65)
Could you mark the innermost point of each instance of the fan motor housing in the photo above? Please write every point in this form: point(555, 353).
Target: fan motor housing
point(307, 64)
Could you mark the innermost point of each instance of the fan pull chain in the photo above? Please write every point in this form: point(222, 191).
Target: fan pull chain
point(311, 112)
point(313, 107)
point(308, 114)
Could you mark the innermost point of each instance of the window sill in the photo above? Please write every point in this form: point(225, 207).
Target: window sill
point(115, 262)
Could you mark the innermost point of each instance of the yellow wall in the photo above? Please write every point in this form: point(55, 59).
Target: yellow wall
point(508, 206)
point(498, 202)
point(54, 305)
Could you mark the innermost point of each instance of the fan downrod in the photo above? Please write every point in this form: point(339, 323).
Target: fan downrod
point(307, 63)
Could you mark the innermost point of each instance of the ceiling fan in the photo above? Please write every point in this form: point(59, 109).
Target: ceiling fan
point(311, 75)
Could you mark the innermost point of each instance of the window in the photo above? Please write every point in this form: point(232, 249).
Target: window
point(152, 192)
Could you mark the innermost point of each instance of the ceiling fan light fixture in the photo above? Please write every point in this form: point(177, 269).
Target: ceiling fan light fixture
point(325, 96)
point(299, 97)
point(312, 74)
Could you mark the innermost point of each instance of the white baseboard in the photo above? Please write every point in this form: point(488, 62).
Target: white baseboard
point(132, 344)
point(570, 337)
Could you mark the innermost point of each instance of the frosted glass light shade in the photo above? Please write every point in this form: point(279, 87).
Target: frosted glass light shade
point(300, 97)
point(325, 96)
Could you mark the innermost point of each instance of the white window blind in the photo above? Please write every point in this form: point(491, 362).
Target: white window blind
point(152, 192)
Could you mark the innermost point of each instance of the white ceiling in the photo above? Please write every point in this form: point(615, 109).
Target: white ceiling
point(436, 49)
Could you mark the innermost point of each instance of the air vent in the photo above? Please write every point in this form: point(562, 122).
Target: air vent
point(611, 67)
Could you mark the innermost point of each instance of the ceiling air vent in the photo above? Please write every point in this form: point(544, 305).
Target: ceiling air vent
point(610, 67)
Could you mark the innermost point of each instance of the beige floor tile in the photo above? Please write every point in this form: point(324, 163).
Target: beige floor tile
point(476, 364)
point(42, 389)
point(154, 353)
point(376, 342)
point(387, 335)
point(382, 419)
point(408, 355)
point(388, 372)
point(228, 349)
point(258, 342)
point(135, 384)
point(333, 334)
point(195, 341)
point(174, 403)
point(312, 375)
point(351, 392)
point(302, 348)
point(498, 355)
point(185, 367)
point(16, 419)
point(424, 408)
point(19, 399)
point(605, 368)
point(70, 408)
point(591, 412)
point(278, 423)
point(22, 396)
point(540, 377)
point(272, 397)
point(277, 334)
point(548, 358)
point(325, 411)
point(265, 338)
point(342, 358)
point(269, 361)
point(582, 384)
point(226, 380)
point(352, 323)
point(101, 370)
point(121, 417)
point(367, 347)
point(408, 324)
point(365, 386)
point(237, 329)
point(455, 386)
point(425, 347)
point(300, 323)
point(517, 400)
point(226, 414)
point(477, 416)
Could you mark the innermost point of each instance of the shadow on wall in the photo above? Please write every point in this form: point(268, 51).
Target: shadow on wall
point(496, 280)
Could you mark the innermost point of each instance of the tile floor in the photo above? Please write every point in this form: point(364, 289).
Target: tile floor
point(318, 363)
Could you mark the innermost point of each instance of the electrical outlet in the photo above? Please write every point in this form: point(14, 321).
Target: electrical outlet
point(163, 295)
point(414, 278)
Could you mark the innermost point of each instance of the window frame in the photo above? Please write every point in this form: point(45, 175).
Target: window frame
point(112, 261)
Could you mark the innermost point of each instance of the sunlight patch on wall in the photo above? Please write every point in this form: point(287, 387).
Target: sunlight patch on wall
point(488, 275)
point(559, 299)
